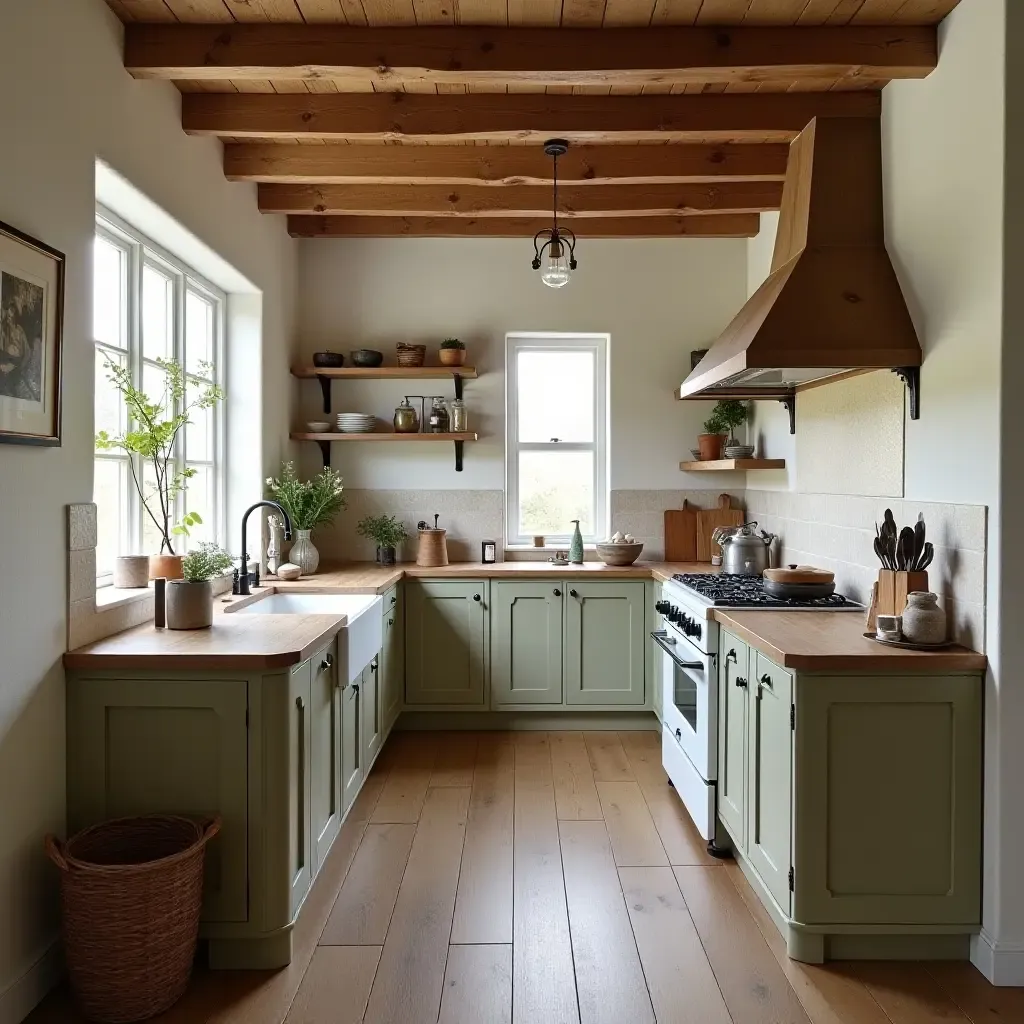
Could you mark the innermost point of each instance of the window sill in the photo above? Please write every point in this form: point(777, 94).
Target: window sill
point(114, 597)
point(547, 547)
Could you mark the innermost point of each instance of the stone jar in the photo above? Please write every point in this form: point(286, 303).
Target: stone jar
point(189, 605)
point(924, 622)
point(304, 554)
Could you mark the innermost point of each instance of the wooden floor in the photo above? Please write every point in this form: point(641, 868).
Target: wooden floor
point(547, 878)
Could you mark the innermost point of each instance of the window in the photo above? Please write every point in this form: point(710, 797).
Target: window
point(149, 306)
point(556, 462)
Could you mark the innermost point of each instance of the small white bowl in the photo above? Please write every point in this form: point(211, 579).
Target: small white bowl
point(319, 427)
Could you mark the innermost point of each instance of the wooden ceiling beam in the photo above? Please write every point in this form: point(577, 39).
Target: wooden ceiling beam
point(520, 200)
point(538, 56)
point(529, 117)
point(723, 225)
point(501, 165)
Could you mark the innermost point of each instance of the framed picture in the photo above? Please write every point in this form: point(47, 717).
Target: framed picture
point(31, 325)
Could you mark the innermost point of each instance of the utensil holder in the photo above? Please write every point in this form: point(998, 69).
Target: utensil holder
point(893, 587)
point(432, 550)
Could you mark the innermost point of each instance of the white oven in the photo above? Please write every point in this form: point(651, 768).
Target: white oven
point(687, 677)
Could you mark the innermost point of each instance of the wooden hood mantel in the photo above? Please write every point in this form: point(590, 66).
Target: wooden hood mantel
point(832, 304)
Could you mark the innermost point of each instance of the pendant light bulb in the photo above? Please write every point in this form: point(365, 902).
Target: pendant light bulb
point(556, 267)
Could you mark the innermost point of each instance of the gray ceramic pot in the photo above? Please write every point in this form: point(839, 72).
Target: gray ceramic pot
point(189, 605)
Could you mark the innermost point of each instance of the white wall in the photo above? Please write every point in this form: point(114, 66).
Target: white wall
point(657, 298)
point(68, 101)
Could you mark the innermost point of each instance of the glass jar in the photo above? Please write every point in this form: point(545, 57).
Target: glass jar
point(459, 418)
point(438, 422)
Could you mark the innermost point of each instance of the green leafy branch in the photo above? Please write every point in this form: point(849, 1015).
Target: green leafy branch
point(309, 503)
point(152, 436)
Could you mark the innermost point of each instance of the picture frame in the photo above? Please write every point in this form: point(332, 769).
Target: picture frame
point(31, 339)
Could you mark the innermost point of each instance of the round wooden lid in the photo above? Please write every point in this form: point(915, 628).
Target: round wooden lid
point(799, 574)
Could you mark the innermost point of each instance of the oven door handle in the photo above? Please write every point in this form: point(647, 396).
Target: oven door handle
point(661, 638)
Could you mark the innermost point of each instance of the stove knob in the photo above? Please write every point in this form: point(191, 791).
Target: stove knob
point(698, 629)
point(675, 615)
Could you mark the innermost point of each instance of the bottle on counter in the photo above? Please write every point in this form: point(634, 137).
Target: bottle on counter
point(459, 417)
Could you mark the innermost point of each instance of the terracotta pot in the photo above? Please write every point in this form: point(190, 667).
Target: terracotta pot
point(710, 446)
point(168, 566)
point(452, 356)
point(189, 605)
point(131, 572)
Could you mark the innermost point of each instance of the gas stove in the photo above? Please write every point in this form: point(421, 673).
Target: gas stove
point(722, 590)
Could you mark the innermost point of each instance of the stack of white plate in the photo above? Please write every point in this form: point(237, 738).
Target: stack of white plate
point(356, 423)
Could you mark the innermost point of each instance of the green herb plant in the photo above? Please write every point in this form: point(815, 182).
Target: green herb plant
point(309, 503)
point(714, 423)
point(384, 531)
point(452, 343)
point(151, 437)
point(731, 413)
point(205, 562)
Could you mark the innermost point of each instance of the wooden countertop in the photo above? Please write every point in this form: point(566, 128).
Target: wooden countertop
point(811, 641)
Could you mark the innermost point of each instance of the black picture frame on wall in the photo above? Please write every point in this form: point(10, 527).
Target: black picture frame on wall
point(31, 339)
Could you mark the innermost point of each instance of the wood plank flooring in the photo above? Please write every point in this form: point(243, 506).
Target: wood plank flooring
point(536, 878)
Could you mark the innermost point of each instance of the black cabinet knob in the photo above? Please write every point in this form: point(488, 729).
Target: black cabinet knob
point(766, 680)
point(476, 597)
point(557, 592)
point(731, 656)
point(741, 682)
point(572, 593)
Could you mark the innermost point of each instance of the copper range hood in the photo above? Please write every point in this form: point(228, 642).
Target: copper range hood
point(832, 305)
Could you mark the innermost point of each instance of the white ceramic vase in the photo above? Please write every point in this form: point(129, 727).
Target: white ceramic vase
point(923, 621)
point(304, 554)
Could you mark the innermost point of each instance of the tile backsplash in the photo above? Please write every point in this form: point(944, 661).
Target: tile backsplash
point(642, 513)
point(836, 532)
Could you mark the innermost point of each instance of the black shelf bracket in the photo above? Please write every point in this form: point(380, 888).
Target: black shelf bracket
point(458, 384)
point(459, 445)
point(325, 389)
point(325, 451)
point(789, 401)
point(911, 376)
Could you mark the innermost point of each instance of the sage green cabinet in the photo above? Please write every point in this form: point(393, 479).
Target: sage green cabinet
point(604, 643)
point(770, 763)
point(150, 745)
point(372, 725)
point(297, 791)
point(392, 657)
point(733, 684)
point(325, 760)
point(446, 642)
point(526, 642)
point(351, 744)
point(857, 816)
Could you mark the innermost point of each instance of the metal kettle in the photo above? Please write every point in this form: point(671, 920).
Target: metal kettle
point(744, 552)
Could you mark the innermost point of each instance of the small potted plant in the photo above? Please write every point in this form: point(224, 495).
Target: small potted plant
point(309, 504)
point(710, 442)
point(190, 600)
point(732, 413)
point(453, 352)
point(151, 438)
point(386, 532)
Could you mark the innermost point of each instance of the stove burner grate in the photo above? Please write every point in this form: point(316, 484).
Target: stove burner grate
point(748, 592)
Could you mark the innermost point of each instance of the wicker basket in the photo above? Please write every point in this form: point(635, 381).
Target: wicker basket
point(411, 355)
point(131, 890)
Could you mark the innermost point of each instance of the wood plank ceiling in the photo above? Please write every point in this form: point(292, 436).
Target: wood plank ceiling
point(427, 117)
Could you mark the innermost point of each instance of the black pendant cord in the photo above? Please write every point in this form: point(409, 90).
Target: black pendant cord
point(554, 203)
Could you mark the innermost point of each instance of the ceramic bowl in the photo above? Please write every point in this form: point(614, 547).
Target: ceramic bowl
point(619, 554)
point(326, 360)
point(695, 452)
point(319, 427)
point(366, 357)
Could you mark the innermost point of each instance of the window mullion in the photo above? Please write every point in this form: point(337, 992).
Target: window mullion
point(135, 509)
point(180, 453)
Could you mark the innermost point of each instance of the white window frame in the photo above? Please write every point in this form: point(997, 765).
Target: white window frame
point(140, 251)
point(519, 341)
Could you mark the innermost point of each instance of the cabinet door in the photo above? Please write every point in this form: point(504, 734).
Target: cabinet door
point(769, 792)
point(733, 689)
point(351, 745)
point(145, 746)
point(604, 643)
point(325, 756)
point(372, 713)
point(392, 658)
point(526, 639)
point(300, 853)
point(445, 642)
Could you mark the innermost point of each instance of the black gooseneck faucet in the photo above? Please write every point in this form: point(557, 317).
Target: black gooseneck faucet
point(243, 576)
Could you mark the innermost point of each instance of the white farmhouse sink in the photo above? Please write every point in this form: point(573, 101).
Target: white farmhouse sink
point(358, 642)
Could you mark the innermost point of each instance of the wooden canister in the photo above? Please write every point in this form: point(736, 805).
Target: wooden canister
point(433, 548)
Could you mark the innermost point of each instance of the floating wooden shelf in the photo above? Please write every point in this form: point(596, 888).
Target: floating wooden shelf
point(385, 436)
point(384, 372)
point(326, 440)
point(731, 465)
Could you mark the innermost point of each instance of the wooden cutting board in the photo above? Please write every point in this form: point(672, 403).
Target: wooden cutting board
point(711, 518)
point(681, 534)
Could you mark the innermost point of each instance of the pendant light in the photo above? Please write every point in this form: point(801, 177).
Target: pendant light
point(557, 252)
